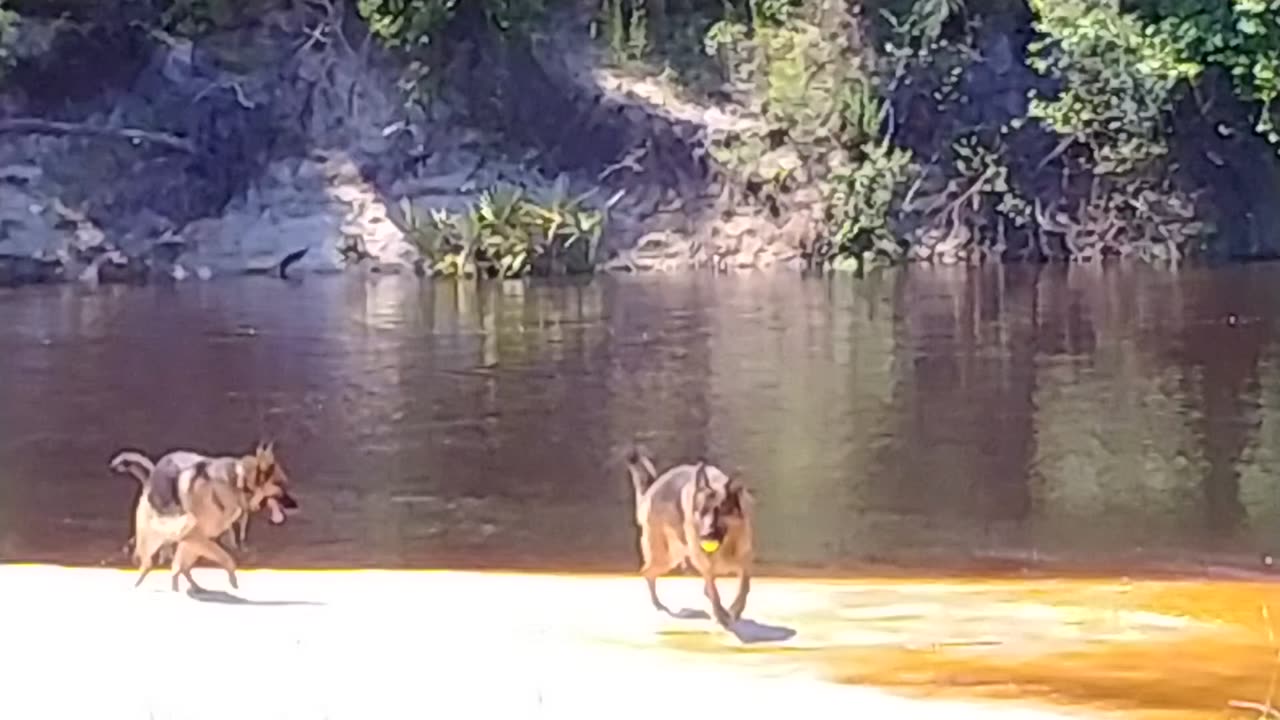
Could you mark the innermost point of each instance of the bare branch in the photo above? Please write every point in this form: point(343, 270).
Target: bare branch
point(630, 162)
point(1062, 146)
point(53, 127)
point(241, 98)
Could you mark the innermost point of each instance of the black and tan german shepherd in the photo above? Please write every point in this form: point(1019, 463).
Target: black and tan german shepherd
point(189, 499)
point(698, 513)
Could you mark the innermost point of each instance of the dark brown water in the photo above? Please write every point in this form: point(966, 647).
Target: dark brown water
point(923, 418)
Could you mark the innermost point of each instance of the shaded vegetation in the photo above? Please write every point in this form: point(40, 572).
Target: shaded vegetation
point(825, 80)
point(8, 35)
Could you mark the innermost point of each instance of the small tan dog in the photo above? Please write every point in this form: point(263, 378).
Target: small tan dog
point(189, 499)
point(695, 513)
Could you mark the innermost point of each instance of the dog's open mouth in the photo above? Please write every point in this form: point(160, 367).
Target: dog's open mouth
point(276, 511)
point(277, 506)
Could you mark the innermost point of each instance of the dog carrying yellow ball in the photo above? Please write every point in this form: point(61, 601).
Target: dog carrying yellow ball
point(710, 546)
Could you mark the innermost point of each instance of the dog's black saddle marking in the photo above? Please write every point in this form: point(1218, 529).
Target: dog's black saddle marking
point(163, 492)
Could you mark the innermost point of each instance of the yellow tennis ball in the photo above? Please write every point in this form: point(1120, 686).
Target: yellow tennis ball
point(710, 546)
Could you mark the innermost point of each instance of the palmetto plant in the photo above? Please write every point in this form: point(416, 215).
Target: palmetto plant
point(507, 234)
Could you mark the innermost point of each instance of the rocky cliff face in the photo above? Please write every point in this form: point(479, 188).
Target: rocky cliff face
point(217, 155)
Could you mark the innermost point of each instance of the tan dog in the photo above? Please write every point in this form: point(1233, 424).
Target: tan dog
point(189, 499)
point(695, 513)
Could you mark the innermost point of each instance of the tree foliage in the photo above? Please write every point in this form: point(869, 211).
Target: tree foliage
point(1240, 36)
point(410, 24)
point(8, 35)
point(1115, 75)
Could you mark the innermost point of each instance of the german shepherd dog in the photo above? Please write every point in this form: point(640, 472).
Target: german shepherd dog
point(699, 514)
point(189, 499)
point(262, 467)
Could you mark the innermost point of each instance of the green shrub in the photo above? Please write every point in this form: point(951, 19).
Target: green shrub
point(507, 234)
point(414, 24)
point(862, 204)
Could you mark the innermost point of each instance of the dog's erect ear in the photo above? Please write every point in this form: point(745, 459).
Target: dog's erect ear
point(700, 479)
point(735, 493)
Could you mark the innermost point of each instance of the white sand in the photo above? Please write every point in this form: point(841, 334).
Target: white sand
point(83, 644)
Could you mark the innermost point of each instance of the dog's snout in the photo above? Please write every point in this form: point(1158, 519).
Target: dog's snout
point(709, 529)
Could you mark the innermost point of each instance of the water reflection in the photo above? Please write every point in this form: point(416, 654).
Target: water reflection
point(919, 417)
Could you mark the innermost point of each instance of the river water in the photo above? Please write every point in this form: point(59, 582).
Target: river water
point(1120, 418)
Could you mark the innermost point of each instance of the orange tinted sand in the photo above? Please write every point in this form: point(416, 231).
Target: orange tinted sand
point(1153, 650)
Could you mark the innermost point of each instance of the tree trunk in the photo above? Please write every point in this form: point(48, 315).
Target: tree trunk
point(657, 11)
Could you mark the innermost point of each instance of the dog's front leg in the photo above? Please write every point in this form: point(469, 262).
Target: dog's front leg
point(184, 558)
point(744, 587)
point(212, 551)
point(242, 524)
point(713, 594)
point(233, 538)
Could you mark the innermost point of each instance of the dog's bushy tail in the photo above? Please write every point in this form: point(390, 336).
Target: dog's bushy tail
point(640, 467)
point(133, 463)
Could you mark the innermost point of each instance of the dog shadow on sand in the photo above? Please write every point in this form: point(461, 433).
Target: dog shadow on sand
point(748, 632)
point(226, 598)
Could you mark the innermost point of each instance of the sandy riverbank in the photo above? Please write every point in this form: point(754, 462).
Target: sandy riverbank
point(82, 643)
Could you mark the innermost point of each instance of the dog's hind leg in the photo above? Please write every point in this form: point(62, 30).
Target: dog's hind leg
point(657, 562)
point(143, 572)
point(651, 579)
point(144, 554)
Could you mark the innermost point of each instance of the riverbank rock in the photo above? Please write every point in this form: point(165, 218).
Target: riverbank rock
point(274, 143)
point(321, 204)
